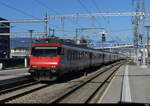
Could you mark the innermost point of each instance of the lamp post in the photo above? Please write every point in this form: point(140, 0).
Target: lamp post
point(31, 36)
point(11, 40)
point(144, 48)
point(147, 32)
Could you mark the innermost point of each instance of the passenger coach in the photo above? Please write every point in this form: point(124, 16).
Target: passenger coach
point(50, 60)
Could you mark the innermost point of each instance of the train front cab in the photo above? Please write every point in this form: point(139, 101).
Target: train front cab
point(45, 62)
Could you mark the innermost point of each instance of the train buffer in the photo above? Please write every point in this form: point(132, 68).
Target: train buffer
point(131, 84)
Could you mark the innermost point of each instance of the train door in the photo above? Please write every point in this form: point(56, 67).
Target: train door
point(103, 58)
point(63, 58)
point(90, 60)
point(68, 65)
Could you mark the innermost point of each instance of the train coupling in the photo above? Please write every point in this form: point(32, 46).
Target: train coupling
point(31, 71)
point(54, 70)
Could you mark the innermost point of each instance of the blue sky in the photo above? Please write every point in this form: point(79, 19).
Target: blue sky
point(35, 9)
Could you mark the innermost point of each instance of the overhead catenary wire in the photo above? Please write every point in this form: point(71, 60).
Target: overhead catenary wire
point(83, 6)
point(18, 10)
point(79, 1)
point(98, 9)
point(127, 14)
point(62, 20)
point(121, 30)
point(35, 19)
point(44, 5)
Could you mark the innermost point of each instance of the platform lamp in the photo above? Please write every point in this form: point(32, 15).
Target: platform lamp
point(11, 39)
point(144, 46)
point(147, 32)
point(31, 36)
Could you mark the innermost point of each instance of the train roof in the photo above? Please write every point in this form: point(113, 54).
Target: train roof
point(68, 44)
point(46, 44)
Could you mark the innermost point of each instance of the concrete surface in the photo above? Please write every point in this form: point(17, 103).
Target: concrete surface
point(131, 84)
point(13, 73)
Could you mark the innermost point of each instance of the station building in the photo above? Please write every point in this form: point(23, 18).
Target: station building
point(4, 39)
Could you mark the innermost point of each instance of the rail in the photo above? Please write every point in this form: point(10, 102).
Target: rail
point(66, 97)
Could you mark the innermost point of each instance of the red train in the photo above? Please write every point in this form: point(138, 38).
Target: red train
point(49, 60)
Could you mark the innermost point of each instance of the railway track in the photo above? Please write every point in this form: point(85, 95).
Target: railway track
point(22, 90)
point(12, 83)
point(18, 87)
point(86, 91)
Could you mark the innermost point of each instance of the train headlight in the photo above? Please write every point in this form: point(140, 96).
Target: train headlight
point(53, 66)
point(34, 66)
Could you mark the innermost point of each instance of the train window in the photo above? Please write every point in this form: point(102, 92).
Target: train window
point(59, 50)
point(46, 51)
point(83, 54)
point(101, 55)
point(62, 51)
point(76, 53)
point(80, 55)
point(71, 55)
point(104, 56)
point(68, 55)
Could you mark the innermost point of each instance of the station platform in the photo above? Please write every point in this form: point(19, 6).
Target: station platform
point(131, 84)
point(13, 73)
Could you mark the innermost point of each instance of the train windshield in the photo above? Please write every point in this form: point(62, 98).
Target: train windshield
point(45, 51)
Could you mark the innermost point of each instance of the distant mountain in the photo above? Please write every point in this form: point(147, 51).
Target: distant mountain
point(26, 42)
point(108, 43)
point(21, 42)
